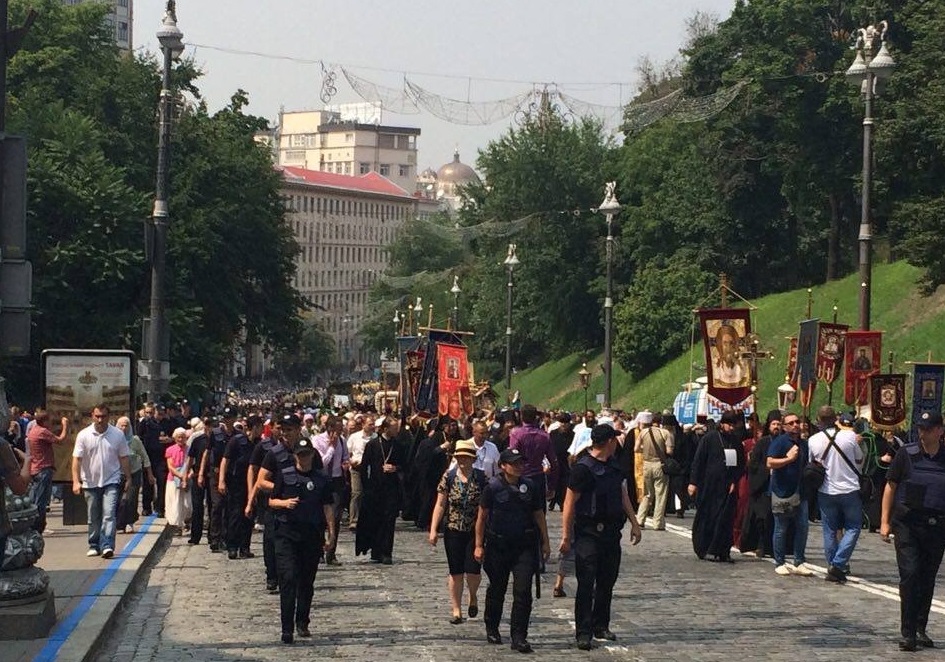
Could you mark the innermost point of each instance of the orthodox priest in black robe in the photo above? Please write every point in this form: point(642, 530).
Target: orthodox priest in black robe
point(381, 465)
point(712, 482)
point(758, 527)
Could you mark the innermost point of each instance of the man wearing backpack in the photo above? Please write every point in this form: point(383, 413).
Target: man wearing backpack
point(841, 507)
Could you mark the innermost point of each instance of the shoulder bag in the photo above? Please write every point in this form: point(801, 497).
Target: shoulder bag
point(866, 482)
point(671, 466)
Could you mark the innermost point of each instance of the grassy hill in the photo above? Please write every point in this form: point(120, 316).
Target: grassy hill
point(914, 326)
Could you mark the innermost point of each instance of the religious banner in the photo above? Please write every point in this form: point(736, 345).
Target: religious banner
point(888, 401)
point(792, 362)
point(862, 358)
point(426, 402)
point(453, 396)
point(411, 365)
point(927, 386)
point(724, 331)
point(830, 350)
point(807, 354)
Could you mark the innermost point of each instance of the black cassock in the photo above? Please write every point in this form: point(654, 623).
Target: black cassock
point(758, 526)
point(380, 500)
point(428, 466)
point(716, 496)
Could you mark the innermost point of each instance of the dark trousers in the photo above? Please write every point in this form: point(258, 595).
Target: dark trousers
point(520, 559)
point(239, 528)
point(541, 484)
point(596, 564)
point(297, 553)
point(339, 489)
point(269, 548)
point(384, 542)
point(217, 529)
point(128, 506)
point(197, 500)
point(152, 496)
point(919, 549)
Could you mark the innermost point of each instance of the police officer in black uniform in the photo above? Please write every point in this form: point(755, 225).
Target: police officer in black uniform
point(595, 508)
point(914, 510)
point(232, 483)
point(210, 468)
point(258, 501)
point(509, 528)
point(301, 506)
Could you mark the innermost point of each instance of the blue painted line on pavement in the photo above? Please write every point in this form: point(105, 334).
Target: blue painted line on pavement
point(68, 625)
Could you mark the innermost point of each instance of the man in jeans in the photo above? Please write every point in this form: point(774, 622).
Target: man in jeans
point(839, 497)
point(99, 459)
point(41, 441)
point(787, 456)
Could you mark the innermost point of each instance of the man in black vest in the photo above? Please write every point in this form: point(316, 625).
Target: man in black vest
point(595, 508)
point(233, 484)
point(914, 510)
point(210, 468)
point(258, 500)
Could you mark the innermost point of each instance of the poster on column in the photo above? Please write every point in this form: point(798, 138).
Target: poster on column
point(75, 381)
point(723, 332)
point(863, 355)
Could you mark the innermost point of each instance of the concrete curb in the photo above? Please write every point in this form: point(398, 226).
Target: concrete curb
point(86, 638)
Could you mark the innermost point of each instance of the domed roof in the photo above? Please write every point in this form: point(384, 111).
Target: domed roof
point(456, 172)
point(429, 173)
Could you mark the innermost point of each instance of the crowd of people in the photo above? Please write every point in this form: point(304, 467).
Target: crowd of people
point(483, 486)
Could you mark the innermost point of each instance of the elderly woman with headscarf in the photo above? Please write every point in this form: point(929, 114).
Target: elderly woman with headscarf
point(140, 470)
point(177, 495)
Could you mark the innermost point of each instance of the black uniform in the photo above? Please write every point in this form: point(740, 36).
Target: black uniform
point(260, 451)
point(298, 534)
point(239, 528)
point(216, 448)
point(198, 444)
point(152, 497)
point(598, 519)
point(918, 523)
point(511, 547)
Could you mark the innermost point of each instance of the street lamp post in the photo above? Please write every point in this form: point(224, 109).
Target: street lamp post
point(609, 207)
point(585, 382)
point(511, 261)
point(417, 311)
point(170, 38)
point(396, 321)
point(456, 292)
point(868, 72)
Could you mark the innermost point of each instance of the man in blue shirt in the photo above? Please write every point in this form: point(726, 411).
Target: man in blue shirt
point(787, 456)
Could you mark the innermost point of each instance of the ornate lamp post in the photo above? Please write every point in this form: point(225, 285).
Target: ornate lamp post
point(158, 366)
point(868, 72)
point(511, 261)
point(786, 394)
point(396, 321)
point(610, 208)
point(417, 311)
point(455, 291)
point(585, 382)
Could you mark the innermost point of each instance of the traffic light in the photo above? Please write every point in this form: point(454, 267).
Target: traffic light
point(16, 272)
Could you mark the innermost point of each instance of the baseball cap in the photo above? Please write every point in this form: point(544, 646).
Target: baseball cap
point(304, 446)
point(929, 419)
point(510, 456)
point(602, 433)
point(290, 419)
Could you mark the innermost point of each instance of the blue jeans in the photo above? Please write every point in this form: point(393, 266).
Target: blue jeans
point(840, 511)
point(781, 523)
point(40, 493)
point(103, 508)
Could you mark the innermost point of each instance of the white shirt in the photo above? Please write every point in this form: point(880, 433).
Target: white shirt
point(99, 464)
point(487, 459)
point(840, 479)
point(356, 443)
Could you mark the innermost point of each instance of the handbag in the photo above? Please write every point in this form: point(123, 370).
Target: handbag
point(815, 473)
point(671, 466)
point(785, 505)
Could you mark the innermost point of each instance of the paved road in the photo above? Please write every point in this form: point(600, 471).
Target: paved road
point(668, 606)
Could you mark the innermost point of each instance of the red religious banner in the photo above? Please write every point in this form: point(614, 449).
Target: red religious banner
point(888, 401)
point(792, 362)
point(724, 331)
point(863, 353)
point(453, 396)
point(830, 350)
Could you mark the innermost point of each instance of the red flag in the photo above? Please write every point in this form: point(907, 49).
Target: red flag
point(728, 372)
point(453, 397)
point(863, 356)
point(830, 346)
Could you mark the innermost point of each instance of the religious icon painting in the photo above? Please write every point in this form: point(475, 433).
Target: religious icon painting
point(724, 331)
point(888, 401)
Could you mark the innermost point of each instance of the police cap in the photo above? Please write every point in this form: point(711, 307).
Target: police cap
point(930, 419)
point(304, 446)
point(510, 456)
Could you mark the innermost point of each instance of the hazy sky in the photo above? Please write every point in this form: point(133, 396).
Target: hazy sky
point(457, 50)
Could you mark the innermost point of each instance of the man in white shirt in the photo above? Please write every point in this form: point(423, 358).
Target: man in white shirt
point(99, 460)
point(356, 442)
point(839, 497)
point(487, 453)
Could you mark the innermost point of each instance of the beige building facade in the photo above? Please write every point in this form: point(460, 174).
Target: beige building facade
point(323, 140)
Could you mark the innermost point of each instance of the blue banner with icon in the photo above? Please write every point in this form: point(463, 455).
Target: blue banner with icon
point(928, 380)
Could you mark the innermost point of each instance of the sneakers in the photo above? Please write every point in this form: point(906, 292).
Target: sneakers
point(108, 553)
point(783, 570)
point(801, 570)
point(92, 552)
point(130, 528)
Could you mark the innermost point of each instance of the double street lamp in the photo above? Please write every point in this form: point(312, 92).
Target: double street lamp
point(511, 261)
point(610, 208)
point(868, 72)
point(158, 365)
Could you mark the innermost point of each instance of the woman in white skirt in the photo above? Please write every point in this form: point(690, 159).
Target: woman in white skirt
point(177, 495)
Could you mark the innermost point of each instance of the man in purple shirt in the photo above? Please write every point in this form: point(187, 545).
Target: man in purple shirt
point(334, 452)
point(535, 445)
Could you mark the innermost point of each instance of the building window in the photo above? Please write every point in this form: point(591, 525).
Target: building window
point(347, 167)
point(349, 137)
point(385, 169)
point(297, 140)
point(122, 31)
point(364, 167)
point(404, 170)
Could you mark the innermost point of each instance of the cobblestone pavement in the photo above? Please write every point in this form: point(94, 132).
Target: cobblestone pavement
point(668, 606)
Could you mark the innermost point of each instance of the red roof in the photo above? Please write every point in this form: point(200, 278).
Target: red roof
point(372, 182)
